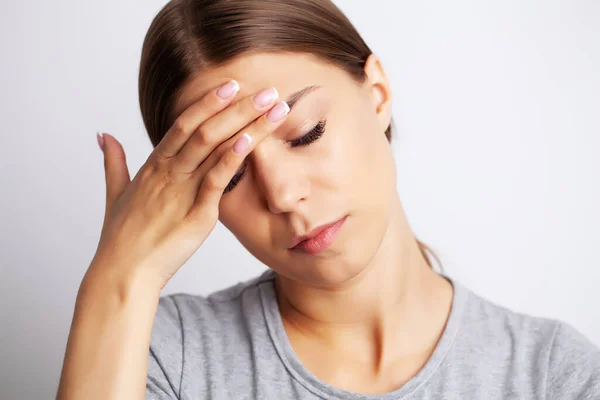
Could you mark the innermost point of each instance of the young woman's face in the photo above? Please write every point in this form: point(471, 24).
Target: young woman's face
point(329, 161)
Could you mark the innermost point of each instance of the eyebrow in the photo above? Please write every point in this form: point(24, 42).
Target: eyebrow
point(300, 94)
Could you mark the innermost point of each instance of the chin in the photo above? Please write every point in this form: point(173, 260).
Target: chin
point(349, 255)
point(319, 274)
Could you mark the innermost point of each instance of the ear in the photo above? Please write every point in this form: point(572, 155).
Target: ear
point(379, 89)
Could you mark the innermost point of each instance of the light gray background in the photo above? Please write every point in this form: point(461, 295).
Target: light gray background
point(497, 107)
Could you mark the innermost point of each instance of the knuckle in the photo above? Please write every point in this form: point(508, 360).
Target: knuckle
point(156, 168)
point(220, 151)
point(202, 136)
point(147, 171)
point(212, 182)
point(179, 128)
point(155, 163)
point(166, 178)
point(157, 175)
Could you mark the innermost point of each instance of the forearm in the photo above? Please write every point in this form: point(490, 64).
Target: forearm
point(107, 350)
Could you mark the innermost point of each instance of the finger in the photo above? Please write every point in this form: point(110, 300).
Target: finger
point(218, 177)
point(115, 169)
point(186, 123)
point(258, 131)
point(216, 180)
point(221, 127)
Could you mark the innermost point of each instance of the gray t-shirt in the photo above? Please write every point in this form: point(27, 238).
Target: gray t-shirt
point(232, 344)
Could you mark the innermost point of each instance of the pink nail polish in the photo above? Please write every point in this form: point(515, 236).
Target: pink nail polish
point(278, 112)
point(242, 144)
point(228, 89)
point(265, 97)
point(100, 138)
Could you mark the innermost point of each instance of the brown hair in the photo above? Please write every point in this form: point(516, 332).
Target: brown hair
point(188, 36)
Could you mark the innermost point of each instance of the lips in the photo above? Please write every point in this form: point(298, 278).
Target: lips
point(319, 238)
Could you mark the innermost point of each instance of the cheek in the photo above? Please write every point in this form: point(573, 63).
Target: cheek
point(355, 147)
point(365, 153)
point(237, 215)
point(358, 126)
point(330, 160)
point(241, 212)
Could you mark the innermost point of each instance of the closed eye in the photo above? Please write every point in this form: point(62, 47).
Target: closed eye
point(305, 140)
point(236, 178)
point(311, 136)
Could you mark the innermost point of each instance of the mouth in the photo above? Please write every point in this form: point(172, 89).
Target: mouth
point(319, 238)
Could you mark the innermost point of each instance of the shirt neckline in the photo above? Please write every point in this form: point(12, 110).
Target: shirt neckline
point(324, 390)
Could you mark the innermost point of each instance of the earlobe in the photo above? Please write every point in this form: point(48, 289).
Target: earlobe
point(379, 88)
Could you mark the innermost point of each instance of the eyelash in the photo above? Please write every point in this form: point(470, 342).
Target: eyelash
point(305, 140)
point(311, 136)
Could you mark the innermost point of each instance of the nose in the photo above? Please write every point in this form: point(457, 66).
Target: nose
point(281, 181)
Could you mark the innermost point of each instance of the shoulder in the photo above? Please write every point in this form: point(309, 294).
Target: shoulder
point(179, 312)
point(490, 319)
point(493, 319)
point(550, 354)
point(573, 364)
point(191, 330)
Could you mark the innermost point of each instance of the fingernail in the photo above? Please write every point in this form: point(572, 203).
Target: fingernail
point(242, 144)
point(265, 97)
point(228, 89)
point(278, 112)
point(100, 138)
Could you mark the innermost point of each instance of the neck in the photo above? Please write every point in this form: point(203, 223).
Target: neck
point(395, 305)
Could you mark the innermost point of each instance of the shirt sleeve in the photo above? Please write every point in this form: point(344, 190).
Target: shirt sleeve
point(165, 357)
point(573, 366)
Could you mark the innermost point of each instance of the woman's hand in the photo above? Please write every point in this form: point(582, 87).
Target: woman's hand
point(156, 222)
point(152, 226)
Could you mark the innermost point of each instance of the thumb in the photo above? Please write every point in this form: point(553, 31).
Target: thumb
point(115, 168)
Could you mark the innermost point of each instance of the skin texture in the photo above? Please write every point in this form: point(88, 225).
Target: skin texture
point(366, 313)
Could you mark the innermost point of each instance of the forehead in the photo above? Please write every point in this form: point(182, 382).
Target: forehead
point(287, 72)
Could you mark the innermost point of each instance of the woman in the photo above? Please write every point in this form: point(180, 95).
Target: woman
point(275, 118)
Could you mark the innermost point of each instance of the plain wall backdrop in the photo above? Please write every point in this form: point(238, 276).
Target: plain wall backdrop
point(497, 109)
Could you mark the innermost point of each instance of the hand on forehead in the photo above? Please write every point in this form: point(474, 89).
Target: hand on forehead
point(288, 73)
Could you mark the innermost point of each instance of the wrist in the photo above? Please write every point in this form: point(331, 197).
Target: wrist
point(109, 278)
